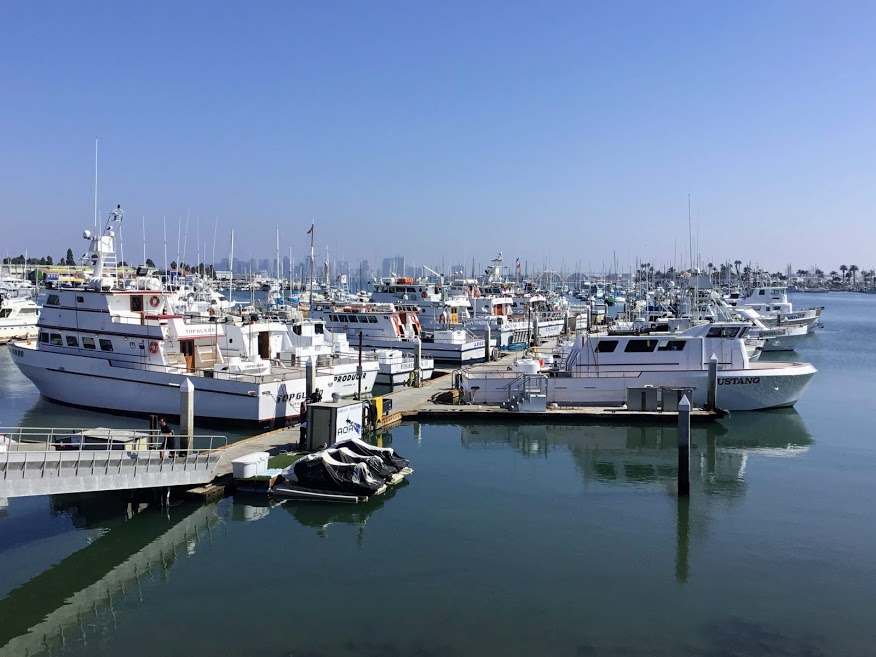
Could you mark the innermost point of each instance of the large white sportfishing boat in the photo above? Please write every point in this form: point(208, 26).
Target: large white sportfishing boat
point(126, 350)
point(598, 370)
point(383, 326)
point(772, 303)
point(18, 314)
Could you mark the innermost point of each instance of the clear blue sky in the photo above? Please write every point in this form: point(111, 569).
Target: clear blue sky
point(561, 130)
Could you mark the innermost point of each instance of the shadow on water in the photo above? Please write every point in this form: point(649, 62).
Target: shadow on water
point(142, 545)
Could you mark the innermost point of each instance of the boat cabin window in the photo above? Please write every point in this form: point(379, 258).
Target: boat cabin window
point(671, 345)
point(72, 341)
point(296, 329)
point(723, 332)
point(319, 329)
point(640, 346)
point(761, 292)
point(606, 346)
point(333, 318)
point(88, 343)
point(80, 299)
point(136, 303)
point(53, 300)
point(106, 345)
point(352, 319)
point(410, 289)
point(26, 311)
point(372, 319)
point(5, 312)
point(55, 339)
point(343, 318)
point(44, 337)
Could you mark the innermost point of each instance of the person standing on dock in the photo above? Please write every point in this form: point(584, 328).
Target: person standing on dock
point(168, 442)
point(302, 426)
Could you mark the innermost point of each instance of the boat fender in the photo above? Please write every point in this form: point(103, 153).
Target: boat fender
point(154, 302)
point(153, 347)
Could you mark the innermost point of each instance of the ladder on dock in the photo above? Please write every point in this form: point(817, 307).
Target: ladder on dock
point(528, 392)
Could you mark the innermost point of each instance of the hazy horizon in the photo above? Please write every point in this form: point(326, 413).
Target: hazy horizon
point(567, 135)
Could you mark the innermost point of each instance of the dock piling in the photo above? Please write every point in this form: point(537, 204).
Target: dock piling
point(487, 346)
point(418, 363)
point(712, 391)
point(186, 415)
point(684, 447)
point(309, 377)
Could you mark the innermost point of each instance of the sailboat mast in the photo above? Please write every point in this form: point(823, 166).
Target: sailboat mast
point(311, 265)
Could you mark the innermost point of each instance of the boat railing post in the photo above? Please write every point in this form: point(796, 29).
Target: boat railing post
point(712, 391)
point(684, 447)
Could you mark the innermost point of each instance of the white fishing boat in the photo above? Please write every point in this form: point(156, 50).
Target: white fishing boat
point(383, 326)
point(598, 370)
point(126, 350)
point(19, 314)
point(396, 368)
point(772, 304)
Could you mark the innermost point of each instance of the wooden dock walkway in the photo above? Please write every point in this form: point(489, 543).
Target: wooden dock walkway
point(417, 404)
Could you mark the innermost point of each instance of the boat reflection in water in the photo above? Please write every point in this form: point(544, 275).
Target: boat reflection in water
point(637, 456)
point(647, 454)
point(75, 598)
point(322, 516)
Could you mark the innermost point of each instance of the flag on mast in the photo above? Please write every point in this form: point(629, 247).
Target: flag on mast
point(517, 264)
point(310, 232)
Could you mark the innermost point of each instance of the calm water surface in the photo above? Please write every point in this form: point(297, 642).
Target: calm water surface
point(513, 540)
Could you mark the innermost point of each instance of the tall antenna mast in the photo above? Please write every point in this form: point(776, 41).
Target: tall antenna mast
point(96, 226)
point(689, 233)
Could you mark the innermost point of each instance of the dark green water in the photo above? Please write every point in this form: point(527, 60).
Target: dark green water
point(511, 540)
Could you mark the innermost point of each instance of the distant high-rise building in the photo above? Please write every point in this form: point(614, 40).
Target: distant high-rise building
point(393, 266)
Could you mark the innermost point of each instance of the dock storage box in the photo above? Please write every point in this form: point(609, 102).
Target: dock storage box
point(329, 422)
point(671, 397)
point(642, 399)
point(251, 465)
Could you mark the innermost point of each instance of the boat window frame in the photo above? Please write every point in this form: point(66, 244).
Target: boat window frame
point(86, 341)
point(105, 344)
point(53, 300)
point(72, 341)
point(672, 345)
point(633, 346)
point(606, 346)
point(5, 312)
point(44, 337)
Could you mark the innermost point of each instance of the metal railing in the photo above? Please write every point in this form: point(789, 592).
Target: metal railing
point(32, 452)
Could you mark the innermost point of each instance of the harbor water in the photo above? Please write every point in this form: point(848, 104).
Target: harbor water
point(511, 539)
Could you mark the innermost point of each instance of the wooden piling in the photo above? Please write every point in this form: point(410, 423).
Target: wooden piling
point(309, 377)
point(684, 446)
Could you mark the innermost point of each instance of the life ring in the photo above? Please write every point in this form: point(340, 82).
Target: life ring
point(424, 295)
point(153, 347)
point(443, 318)
point(154, 302)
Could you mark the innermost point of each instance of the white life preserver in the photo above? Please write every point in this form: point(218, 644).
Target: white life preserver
point(154, 302)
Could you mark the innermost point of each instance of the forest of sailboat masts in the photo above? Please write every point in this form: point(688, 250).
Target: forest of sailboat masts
point(288, 274)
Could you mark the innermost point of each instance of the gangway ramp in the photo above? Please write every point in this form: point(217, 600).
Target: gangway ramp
point(40, 461)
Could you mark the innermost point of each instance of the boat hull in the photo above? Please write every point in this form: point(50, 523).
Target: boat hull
point(101, 385)
point(762, 386)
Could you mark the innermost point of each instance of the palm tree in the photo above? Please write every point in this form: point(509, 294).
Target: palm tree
point(844, 269)
point(854, 270)
point(737, 263)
